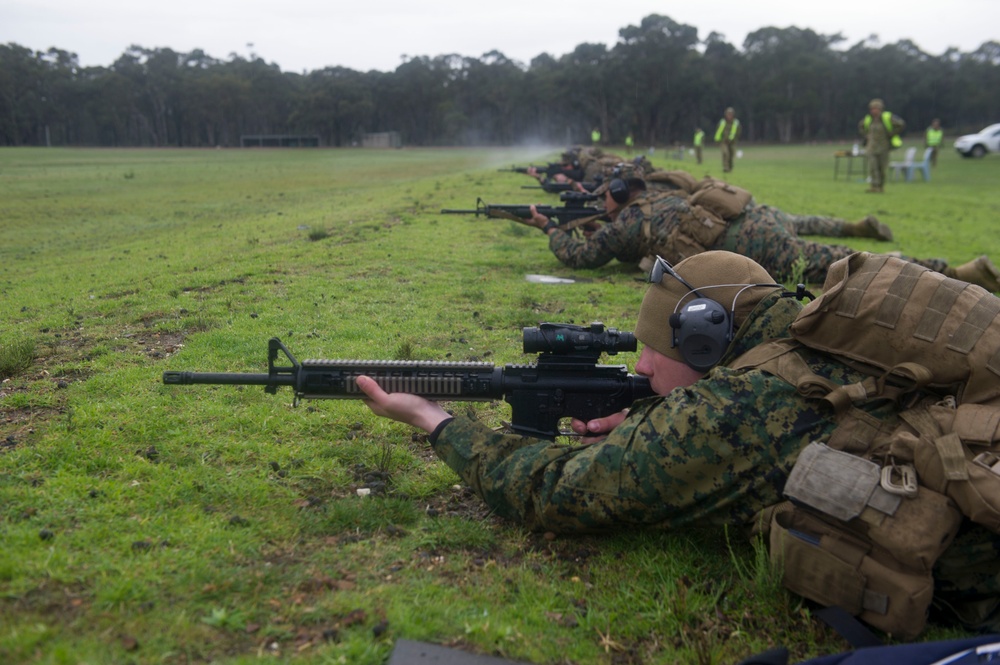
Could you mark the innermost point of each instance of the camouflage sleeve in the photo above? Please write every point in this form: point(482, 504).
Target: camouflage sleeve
point(617, 240)
point(717, 451)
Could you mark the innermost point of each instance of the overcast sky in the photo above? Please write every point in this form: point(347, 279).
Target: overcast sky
point(305, 35)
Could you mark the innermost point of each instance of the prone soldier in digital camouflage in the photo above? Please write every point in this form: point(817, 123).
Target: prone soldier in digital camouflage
point(590, 165)
point(682, 183)
point(647, 222)
point(717, 445)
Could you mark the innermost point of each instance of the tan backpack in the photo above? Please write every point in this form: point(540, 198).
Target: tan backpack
point(725, 200)
point(689, 229)
point(872, 508)
point(681, 180)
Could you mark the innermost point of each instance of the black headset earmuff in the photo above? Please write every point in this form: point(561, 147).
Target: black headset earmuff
point(619, 190)
point(702, 331)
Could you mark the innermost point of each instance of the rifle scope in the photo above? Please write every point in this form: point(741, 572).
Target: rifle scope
point(567, 339)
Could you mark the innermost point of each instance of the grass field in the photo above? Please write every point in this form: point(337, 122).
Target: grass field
point(143, 523)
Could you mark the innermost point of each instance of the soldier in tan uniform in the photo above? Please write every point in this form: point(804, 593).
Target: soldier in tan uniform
point(881, 130)
point(726, 135)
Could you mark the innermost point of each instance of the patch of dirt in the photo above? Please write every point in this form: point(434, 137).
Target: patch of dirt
point(19, 423)
point(51, 598)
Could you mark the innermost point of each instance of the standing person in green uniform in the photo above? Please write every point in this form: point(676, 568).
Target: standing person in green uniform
point(699, 142)
point(727, 134)
point(595, 136)
point(933, 138)
point(881, 130)
point(629, 143)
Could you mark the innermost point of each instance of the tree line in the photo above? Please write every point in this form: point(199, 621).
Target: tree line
point(658, 81)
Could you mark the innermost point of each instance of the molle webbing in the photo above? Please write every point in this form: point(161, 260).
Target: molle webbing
point(682, 180)
point(725, 200)
point(914, 333)
point(884, 312)
point(683, 230)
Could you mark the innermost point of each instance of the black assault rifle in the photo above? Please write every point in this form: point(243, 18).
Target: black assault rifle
point(550, 170)
point(560, 187)
point(573, 210)
point(564, 382)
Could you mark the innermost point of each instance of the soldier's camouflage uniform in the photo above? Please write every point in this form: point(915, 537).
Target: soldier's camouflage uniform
point(759, 233)
point(716, 452)
point(622, 239)
point(763, 237)
point(808, 225)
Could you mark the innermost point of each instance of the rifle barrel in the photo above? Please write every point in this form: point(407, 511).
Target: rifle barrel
point(563, 383)
point(213, 378)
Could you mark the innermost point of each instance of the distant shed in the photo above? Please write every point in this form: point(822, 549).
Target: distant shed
point(279, 141)
point(382, 140)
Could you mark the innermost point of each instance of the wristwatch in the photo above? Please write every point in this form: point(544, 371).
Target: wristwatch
point(549, 225)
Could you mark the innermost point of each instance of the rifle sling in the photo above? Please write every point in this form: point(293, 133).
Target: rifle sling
point(569, 226)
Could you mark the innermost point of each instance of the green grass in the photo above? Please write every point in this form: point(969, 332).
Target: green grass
point(153, 524)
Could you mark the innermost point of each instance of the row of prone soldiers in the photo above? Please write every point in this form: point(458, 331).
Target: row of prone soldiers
point(857, 435)
point(650, 212)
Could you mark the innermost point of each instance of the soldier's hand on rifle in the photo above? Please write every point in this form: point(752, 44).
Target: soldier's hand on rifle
point(536, 219)
point(598, 428)
point(402, 407)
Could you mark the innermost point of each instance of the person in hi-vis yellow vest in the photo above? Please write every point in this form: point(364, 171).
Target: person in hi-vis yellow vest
point(933, 139)
point(699, 142)
point(881, 130)
point(726, 136)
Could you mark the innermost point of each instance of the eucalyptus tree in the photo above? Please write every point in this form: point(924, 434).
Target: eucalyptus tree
point(978, 78)
point(587, 84)
point(336, 103)
point(725, 83)
point(415, 100)
point(655, 74)
point(792, 70)
point(491, 99)
point(547, 112)
point(37, 95)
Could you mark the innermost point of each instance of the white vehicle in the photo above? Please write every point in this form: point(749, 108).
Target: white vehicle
point(977, 145)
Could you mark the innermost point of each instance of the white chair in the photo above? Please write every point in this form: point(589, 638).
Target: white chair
point(905, 167)
point(924, 166)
